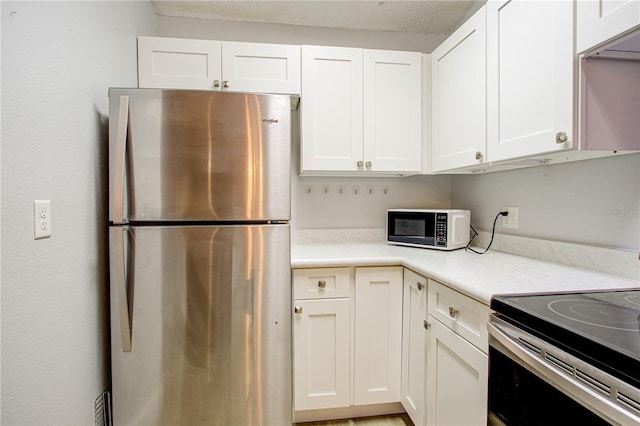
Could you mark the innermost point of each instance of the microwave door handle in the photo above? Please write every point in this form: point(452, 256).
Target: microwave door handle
point(119, 160)
point(119, 279)
point(502, 342)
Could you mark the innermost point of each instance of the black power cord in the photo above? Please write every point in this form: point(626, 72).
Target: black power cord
point(493, 232)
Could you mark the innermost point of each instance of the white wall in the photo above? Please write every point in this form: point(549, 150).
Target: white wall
point(294, 34)
point(58, 60)
point(594, 202)
point(320, 210)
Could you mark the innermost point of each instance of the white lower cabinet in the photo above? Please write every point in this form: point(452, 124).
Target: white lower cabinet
point(457, 385)
point(457, 370)
point(378, 335)
point(414, 314)
point(321, 338)
point(387, 338)
point(347, 332)
point(321, 347)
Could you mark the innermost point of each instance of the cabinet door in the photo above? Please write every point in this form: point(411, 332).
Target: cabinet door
point(599, 21)
point(392, 111)
point(261, 68)
point(378, 335)
point(178, 63)
point(331, 109)
point(321, 354)
point(414, 314)
point(530, 78)
point(458, 76)
point(457, 385)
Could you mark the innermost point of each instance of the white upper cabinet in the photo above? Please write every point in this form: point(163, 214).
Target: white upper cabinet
point(331, 108)
point(600, 21)
point(214, 65)
point(392, 111)
point(178, 63)
point(360, 111)
point(458, 90)
point(530, 78)
point(265, 68)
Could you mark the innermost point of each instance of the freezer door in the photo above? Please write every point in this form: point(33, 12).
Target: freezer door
point(210, 336)
point(190, 155)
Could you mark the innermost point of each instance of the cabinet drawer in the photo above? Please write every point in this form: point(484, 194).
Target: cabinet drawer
point(321, 283)
point(464, 315)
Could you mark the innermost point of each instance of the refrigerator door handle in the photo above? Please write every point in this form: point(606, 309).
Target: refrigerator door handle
point(120, 151)
point(120, 281)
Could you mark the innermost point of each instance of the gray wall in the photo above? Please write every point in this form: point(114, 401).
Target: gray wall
point(595, 202)
point(293, 34)
point(58, 60)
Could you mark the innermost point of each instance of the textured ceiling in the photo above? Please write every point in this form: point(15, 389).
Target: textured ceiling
point(425, 17)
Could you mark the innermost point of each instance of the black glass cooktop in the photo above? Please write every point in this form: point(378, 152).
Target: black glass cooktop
point(601, 327)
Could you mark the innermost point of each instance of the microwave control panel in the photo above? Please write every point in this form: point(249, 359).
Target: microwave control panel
point(441, 229)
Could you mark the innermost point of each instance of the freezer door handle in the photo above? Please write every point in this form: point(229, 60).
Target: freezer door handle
point(119, 160)
point(119, 279)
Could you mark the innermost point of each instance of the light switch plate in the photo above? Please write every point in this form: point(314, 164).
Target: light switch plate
point(41, 219)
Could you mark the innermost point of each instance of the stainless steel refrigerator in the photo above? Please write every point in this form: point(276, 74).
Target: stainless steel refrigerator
point(199, 198)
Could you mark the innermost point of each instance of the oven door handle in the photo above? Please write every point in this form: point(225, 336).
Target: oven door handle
point(599, 404)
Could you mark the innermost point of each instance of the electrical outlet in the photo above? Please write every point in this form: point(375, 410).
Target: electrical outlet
point(41, 219)
point(512, 219)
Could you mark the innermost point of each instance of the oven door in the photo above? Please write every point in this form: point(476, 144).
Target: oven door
point(534, 383)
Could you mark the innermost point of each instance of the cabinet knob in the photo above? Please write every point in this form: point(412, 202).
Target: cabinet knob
point(561, 137)
point(360, 165)
point(225, 84)
point(420, 286)
point(297, 309)
point(216, 83)
point(479, 155)
point(453, 312)
point(322, 284)
point(368, 165)
point(426, 324)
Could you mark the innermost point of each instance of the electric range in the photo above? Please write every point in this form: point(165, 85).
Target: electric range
point(585, 345)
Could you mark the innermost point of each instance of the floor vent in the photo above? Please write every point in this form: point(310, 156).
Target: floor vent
point(102, 409)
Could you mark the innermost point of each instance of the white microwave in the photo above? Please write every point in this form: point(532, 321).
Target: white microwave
point(443, 229)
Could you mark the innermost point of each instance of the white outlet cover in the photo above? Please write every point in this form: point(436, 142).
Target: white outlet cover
point(41, 219)
point(512, 219)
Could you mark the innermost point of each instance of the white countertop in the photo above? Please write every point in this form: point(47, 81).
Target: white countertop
point(478, 276)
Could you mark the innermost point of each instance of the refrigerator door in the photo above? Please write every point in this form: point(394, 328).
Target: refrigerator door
point(210, 315)
point(190, 155)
